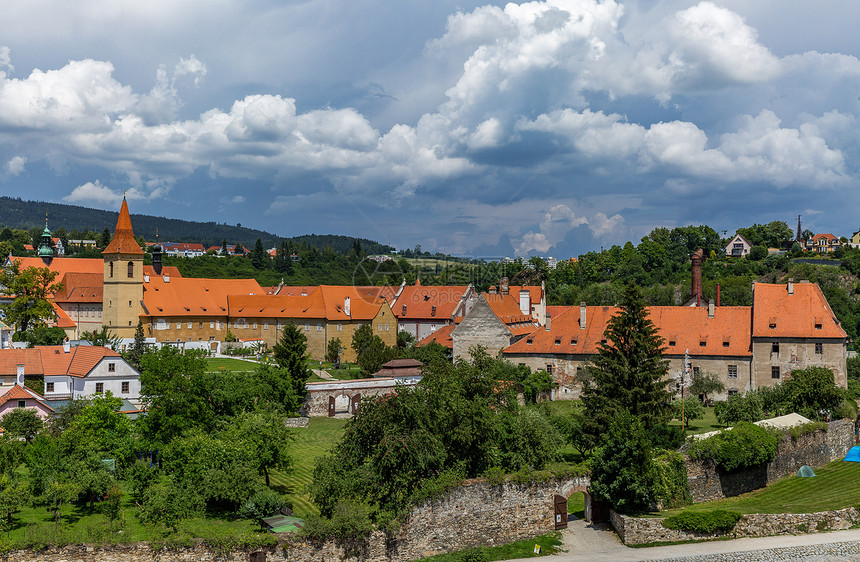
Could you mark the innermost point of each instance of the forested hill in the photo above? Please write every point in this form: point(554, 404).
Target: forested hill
point(16, 213)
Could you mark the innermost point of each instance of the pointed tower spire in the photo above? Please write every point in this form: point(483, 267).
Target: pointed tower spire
point(123, 237)
point(798, 238)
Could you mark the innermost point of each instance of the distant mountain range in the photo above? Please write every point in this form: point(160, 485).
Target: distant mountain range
point(16, 213)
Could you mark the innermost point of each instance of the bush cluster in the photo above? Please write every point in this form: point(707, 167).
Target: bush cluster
point(706, 522)
point(673, 488)
point(745, 446)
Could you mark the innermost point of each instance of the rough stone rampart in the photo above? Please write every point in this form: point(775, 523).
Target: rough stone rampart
point(645, 530)
point(817, 448)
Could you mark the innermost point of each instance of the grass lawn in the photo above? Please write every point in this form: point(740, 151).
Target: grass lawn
point(311, 443)
point(549, 544)
point(34, 527)
point(229, 364)
point(835, 486)
point(576, 504)
point(704, 425)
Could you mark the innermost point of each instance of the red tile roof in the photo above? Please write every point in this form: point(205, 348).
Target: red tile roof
point(22, 393)
point(53, 360)
point(727, 333)
point(187, 296)
point(442, 336)
point(426, 302)
point(507, 308)
point(805, 314)
point(64, 265)
point(168, 270)
point(123, 241)
point(327, 301)
point(81, 288)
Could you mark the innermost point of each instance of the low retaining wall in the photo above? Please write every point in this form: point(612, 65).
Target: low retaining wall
point(346, 392)
point(644, 530)
point(296, 422)
point(814, 449)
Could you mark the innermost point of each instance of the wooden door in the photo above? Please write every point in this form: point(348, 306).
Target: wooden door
point(560, 503)
point(331, 406)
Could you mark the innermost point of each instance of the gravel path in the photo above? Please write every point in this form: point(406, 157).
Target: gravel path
point(597, 543)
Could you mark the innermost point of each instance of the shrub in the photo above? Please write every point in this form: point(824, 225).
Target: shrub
point(745, 446)
point(495, 476)
point(349, 522)
point(737, 408)
point(706, 522)
point(673, 489)
point(846, 410)
point(477, 555)
point(262, 504)
point(811, 427)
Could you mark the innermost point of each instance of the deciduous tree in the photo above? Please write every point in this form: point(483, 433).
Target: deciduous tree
point(28, 290)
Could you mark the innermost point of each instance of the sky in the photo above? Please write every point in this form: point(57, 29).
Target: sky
point(484, 129)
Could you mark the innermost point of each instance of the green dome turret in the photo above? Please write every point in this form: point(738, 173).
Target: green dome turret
point(45, 249)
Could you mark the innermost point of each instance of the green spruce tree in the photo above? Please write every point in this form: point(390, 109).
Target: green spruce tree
point(289, 353)
point(138, 348)
point(629, 372)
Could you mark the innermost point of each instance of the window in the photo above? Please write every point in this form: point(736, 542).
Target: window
point(549, 369)
point(179, 325)
point(100, 388)
point(255, 325)
point(111, 367)
point(557, 341)
point(211, 324)
point(129, 304)
point(733, 371)
point(726, 343)
point(125, 387)
point(772, 325)
point(110, 267)
point(818, 325)
point(49, 387)
point(819, 348)
point(774, 347)
point(380, 327)
point(319, 327)
point(703, 343)
point(386, 327)
point(339, 327)
point(189, 325)
point(695, 371)
point(774, 372)
point(265, 325)
point(733, 391)
point(307, 327)
point(22, 403)
point(529, 341)
point(573, 341)
point(672, 343)
point(200, 325)
point(130, 269)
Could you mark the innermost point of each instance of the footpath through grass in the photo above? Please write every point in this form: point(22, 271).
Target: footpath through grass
point(310, 444)
point(835, 486)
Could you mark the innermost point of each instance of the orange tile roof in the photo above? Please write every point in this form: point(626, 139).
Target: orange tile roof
point(507, 308)
point(442, 336)
point(364, 302)
point(30, 358)
point(296, 291)
point(557, 310)
point(187, 296)
point(805, 314)
point(169, 270)
point(276, 306)
point(726, 334)
point(22, 393)
point(62, 320)
point(386, 292)
point(123, 237)
point(81, 287)
point(77, 363)
point(417, 302)
point(64, 265)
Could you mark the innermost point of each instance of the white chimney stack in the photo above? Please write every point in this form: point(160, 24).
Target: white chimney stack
point(790, 288)
point(548, 322)
point(582, 315)
point(346, 306)
point(19, 379)
point(66, 345)
point(711, 308)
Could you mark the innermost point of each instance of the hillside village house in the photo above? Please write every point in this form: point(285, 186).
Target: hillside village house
point(738, 247)
point(19, 396)
point(71, 372)
point(421, 310)
point(822, 243)
point(854, 241)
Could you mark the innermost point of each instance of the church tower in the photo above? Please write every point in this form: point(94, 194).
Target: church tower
point(123, 279)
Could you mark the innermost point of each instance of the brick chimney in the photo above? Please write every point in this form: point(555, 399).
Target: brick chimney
point(696, 267)
point(503, 286)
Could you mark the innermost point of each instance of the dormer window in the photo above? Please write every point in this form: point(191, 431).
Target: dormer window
point(529, 341)
point(672, 343)
point(573, 341)
point(703, 343)
point(558, 341)
point(433, 310)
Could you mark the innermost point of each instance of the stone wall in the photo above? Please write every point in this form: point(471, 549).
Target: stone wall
point(707, 483)
point(296, 422)
point(644, 530)
point(344, 392)
point(481, 514)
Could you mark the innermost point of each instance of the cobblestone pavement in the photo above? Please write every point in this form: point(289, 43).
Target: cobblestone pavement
point(599, 542)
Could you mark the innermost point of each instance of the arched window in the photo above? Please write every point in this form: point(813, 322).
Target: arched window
point(130, 269)
point(111, 269)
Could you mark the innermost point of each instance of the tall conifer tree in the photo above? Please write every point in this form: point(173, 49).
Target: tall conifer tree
point(629, 372)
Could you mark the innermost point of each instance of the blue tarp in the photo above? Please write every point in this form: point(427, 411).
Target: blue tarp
point(853, 455)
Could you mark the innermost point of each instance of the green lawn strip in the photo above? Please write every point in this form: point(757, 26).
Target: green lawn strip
point(311, 443)
point(549, 543)
point(835, 486)
point(576, 505)
point(34, 527)
point(229, 364)
point(704, 425)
